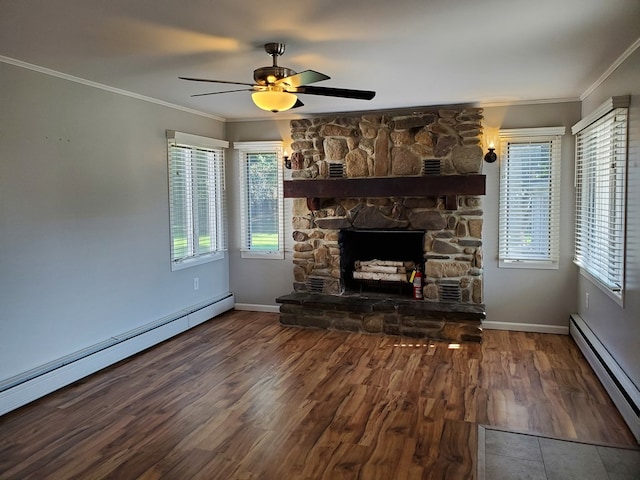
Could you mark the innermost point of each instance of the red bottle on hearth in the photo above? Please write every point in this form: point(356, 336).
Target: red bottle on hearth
point(417, 285)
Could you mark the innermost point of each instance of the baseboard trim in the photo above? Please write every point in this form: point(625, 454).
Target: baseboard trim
point(623, 392)
point(517, 327)
point(253, 307)
point(118, 348)
point(526, 327)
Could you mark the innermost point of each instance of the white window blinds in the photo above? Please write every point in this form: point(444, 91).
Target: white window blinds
point(529, 217)
point(601, 163)
point(197, 209)
point(261, 177)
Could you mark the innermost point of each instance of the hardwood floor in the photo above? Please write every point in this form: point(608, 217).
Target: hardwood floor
point(241, 397)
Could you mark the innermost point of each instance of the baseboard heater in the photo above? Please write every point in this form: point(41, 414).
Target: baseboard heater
point(621, 389)
point(33, 384)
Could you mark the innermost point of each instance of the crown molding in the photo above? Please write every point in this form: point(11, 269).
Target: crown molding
point(627, 53)
point(101, 86)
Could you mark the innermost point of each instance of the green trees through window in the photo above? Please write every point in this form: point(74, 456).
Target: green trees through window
point(261, 199)
point(197, 208)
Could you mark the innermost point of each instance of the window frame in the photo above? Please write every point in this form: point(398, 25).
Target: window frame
point(245, 149)
point(216, 187)
point(524, 136)
point(587, 175)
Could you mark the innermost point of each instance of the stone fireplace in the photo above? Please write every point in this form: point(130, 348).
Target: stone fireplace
point(403, 187)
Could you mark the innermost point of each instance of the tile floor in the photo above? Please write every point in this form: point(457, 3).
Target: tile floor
point(514, 456)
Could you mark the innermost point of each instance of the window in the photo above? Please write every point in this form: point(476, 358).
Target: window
point(261, 201)
point(601, 162)
point(530, 197)
point(197, 210)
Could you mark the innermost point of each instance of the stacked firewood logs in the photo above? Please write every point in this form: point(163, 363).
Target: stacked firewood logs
point(385, 270)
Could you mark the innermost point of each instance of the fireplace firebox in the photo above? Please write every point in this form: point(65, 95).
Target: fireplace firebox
point(380, 260)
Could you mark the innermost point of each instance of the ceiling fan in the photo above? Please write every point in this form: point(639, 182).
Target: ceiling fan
point(275, 87)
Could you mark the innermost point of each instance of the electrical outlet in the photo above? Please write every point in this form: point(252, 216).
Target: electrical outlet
point(586, 300)
point(196, 283)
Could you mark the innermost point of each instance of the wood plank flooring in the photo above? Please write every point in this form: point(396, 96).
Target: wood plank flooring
point(241, 397)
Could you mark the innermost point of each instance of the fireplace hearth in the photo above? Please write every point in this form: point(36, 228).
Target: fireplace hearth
point(383, 315)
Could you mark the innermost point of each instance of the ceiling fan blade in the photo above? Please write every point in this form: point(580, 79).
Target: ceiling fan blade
point(214, 81)
point(335, 92)
point(302, 78)
point(298, 104)
point(226, 91)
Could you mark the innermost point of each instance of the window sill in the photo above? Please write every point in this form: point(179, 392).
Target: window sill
point(616, 297)
point(528, 264)
point(192, 262)
point(264, 256)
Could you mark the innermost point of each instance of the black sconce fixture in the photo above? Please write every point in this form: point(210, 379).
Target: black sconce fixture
point(287, 161)
point(491, 156)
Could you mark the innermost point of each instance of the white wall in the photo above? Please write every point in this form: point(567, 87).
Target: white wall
point(618, 328)
point(255, 282)
point(517, 298)
point(84, 232)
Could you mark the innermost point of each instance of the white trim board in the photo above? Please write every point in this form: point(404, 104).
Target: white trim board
point(252, 307)
point(527, 327)
point(623, 392)
point(626, 54)
point(101, 86)
point(134, 342)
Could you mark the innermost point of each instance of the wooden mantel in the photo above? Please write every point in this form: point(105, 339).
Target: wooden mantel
point(449, 186)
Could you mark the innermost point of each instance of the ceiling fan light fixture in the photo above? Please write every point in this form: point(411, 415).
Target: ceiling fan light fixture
point(273, 87)
point(274, 101)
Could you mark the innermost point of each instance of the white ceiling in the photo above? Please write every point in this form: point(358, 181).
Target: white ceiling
point(411, 52)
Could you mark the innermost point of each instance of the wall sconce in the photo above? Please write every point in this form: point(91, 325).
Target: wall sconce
point(491, 156)
point(287, 160)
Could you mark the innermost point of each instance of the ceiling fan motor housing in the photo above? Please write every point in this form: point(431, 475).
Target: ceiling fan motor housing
point(268, 75)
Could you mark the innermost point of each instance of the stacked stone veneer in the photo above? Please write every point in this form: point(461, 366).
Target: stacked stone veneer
point(391, 145)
